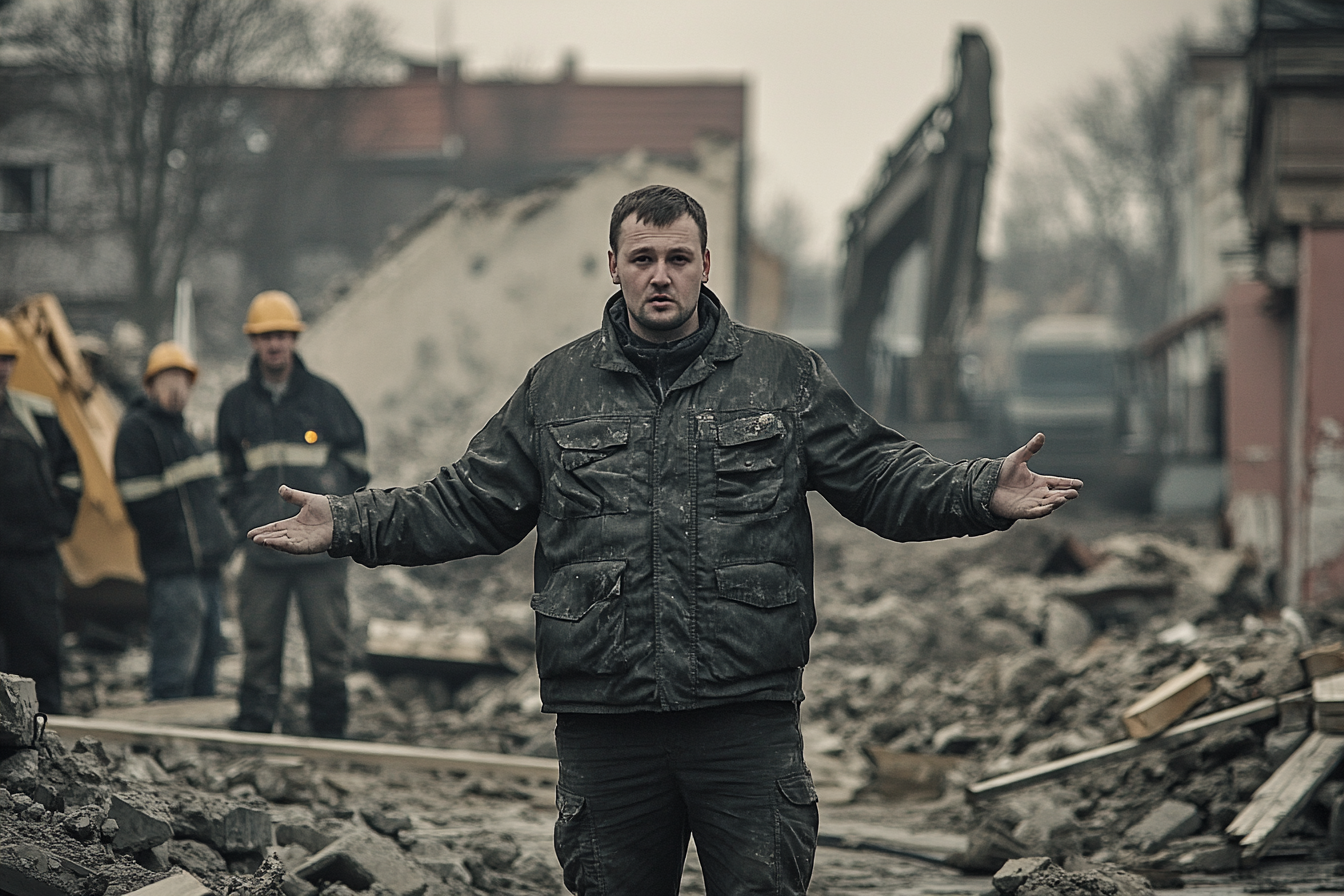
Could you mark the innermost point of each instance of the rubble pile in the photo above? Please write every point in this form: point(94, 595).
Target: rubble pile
point(105, 820)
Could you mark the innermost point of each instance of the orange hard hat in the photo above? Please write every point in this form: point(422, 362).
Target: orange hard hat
point(166, 356)
point(273, 311)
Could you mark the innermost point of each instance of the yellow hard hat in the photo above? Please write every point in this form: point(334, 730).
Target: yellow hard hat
point(273, 311)
point(166, 356)
point(9, 339)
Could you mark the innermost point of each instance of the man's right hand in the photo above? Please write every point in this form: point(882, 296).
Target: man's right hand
point(308, 533)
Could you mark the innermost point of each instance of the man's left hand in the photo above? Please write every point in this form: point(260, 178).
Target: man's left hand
point(1024, 495)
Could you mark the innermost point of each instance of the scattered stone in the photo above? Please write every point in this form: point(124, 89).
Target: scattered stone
point(360, 859)
point(198, 858)
point(305, 835)
point(18, 709)
point(1015, 872)
point(141, 823)
point(385, 823)
point(1166, 822)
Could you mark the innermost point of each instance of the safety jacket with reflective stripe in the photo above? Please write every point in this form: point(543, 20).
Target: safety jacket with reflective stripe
point(170, 485)
point(40, 482)
point(674, 548)
point(310, 439)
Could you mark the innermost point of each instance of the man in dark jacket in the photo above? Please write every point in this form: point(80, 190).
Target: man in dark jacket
point(170, 485)
point(285, 424)
point(40, 488)
point(664, 461)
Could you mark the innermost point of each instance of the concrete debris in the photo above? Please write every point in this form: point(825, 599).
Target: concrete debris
point(1167, 821)
point(18, 709)
point(1038, 876)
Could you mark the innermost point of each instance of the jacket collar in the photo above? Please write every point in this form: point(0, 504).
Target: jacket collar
point(725, 345)
point(297, 376)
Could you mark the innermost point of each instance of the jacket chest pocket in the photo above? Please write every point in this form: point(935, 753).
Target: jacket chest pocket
point(750, 453)
point(590, 468)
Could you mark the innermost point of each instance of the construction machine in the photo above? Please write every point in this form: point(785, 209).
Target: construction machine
point(103, 577)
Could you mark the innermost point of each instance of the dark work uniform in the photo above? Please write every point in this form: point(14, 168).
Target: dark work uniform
point(40, 488)
point(673, 591)
point(310, 438)
point(170, 485)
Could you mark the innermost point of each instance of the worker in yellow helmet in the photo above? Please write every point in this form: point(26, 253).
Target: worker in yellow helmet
point(40, 488)
point(287, 425)
point(169, 483)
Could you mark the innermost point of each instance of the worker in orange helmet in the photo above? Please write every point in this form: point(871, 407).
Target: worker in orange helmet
point(285, 424)
point(169, 483)
point(40, 489)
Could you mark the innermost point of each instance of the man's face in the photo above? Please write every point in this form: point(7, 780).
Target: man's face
point(659, 270)
point(275, 352)
point(170, 389)
point(7, 363)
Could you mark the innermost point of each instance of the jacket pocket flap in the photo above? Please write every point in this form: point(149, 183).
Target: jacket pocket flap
point(591, 435)
point(573, 590)
point(750, 429)
point(798, 789)
point(759, 584)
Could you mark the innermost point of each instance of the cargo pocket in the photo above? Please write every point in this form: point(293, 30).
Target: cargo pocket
point(756, 625)
point(749, 457)
point(581, 620)
point(590, 468)
point(574, 843)
point(795, 832)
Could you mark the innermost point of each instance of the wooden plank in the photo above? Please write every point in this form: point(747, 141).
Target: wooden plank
point(1323, 660)
point(1159, 708)
point(1277, 801)
point(1243, 714)
point(1328, 689)
point(323, 749)
point(184, 883)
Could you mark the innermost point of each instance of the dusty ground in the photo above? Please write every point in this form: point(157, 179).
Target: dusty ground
point(960, 650)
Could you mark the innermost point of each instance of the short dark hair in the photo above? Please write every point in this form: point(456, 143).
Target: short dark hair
point(659, 206)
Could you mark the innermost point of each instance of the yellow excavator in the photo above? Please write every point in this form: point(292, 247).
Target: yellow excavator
point(104, 580)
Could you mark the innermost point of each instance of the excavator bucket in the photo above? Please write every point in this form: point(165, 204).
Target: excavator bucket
point(102, 562)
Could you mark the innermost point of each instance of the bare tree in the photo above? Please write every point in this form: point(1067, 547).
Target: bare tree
point(1094, 213)
point(149, 88)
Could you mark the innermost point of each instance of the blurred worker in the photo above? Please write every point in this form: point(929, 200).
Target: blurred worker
point(40, 487)
point(664, 461)
point(170, 485)
point(285, 424)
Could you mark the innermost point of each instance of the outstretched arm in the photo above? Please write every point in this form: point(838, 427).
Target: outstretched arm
point(1024, 495)
point(308, 533)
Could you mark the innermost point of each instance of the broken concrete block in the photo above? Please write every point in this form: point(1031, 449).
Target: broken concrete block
point(386, 823)
point(196, 857)
point(360, 859)
point(141, 824)
point(296, 886)
point(1168, 821)
point(1015, 872)
point(438, 859)
point(1209, 854)
point(18, 709)
point(1156, 710)
point(243, 830)
point(1068, 627)
point(305, 835)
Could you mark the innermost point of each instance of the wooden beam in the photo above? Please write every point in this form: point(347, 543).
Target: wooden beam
point(1166, 703)
point(324, 749)
point(1243, 714)
point(1282, 796)
point(183, 883)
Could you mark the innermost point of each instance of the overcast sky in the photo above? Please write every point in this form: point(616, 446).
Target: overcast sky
point(832, 84)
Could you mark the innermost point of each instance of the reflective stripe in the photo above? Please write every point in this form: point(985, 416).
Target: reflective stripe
point(202, 466)
point(286, 454)
point(357, 460)
point(72, 481)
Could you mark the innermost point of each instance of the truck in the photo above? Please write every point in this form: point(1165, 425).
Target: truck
point(1073, 377)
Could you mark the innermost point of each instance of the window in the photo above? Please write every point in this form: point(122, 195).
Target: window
point(23, 197)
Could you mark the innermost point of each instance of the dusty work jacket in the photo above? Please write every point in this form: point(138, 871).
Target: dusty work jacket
point(674, 546)
point(170, 485)
point(310, 439)
point(40, 483)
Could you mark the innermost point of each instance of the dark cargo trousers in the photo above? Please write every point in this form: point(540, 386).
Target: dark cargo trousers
point(31, 625)
point(635, 787)
point(324, 610)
